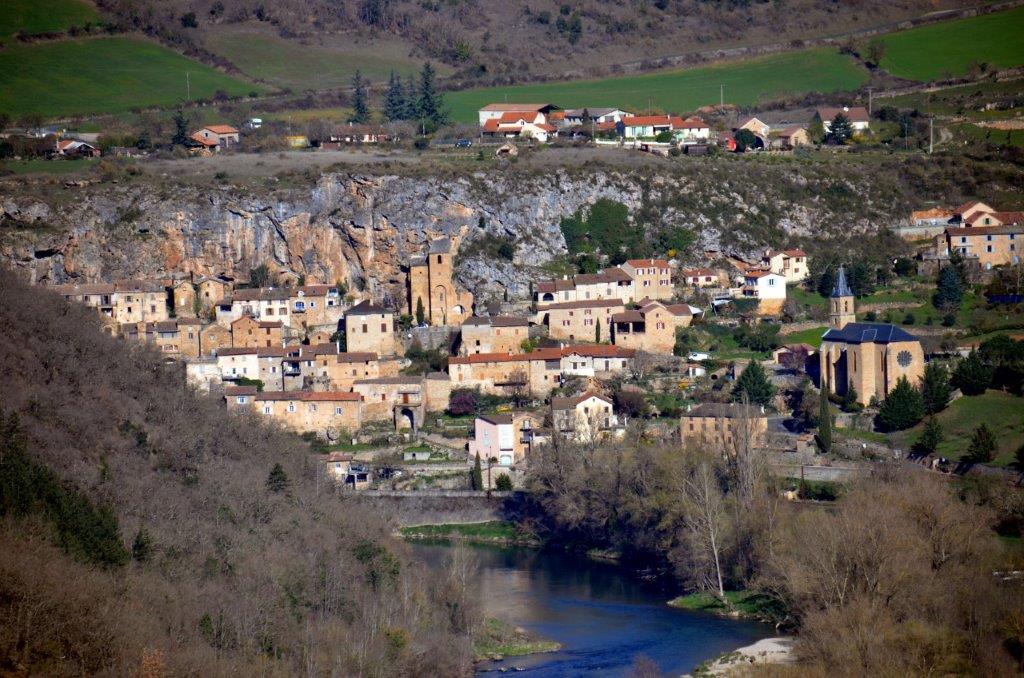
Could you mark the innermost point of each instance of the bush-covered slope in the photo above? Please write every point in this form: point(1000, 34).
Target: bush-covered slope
point(229, 577)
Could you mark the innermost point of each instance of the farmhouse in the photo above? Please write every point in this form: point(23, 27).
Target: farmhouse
point(790, 264)
point(789, 138)
point(325, 413)
point(496, 111)
point(216, 137)
point(978, 231)
point(724, 424)
point(72, 148)
point(650, 328)
point(580, 116)
point(586, 320)
point(768, 288)
point(699, 277)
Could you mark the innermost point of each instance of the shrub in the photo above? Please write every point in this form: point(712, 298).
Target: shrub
point(902, 408)
point(462, 402)
point(503, 483)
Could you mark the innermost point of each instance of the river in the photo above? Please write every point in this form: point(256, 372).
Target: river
point(604, 617)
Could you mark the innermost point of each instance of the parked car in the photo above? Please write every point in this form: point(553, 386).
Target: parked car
point(697, 356)
point(463, 143)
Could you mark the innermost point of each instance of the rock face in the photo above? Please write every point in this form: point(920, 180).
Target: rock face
point(363, 229)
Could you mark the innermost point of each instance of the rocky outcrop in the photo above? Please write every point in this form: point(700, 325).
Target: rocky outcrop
point(363, 229)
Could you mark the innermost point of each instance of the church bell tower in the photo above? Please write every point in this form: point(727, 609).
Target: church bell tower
point(841, 308)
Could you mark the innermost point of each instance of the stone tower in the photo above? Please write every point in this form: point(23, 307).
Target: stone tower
point(840, 304)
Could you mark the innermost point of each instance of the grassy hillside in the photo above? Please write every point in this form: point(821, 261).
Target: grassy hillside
point(1004, 414)
point(98, 75)
point(41, 16)
point(265, 56)
point(950, 48)
point(226, 575)
point(746, 82)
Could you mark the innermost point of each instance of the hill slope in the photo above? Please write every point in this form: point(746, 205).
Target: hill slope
point(239, 579)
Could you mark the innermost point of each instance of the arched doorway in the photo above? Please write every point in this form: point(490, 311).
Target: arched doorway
point(405, 418)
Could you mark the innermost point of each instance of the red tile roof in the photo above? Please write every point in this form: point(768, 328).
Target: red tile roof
point(311, 396)
point(571, 403)
point(653, 120)
point(586, 303)
point(221, 129)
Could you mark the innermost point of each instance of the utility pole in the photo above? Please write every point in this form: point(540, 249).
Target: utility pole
point(188, 87)
point(721, 96)
point(931, 134)
point(869, 101)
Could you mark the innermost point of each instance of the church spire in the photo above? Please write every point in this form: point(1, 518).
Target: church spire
point(841, 308)
point(841, 289)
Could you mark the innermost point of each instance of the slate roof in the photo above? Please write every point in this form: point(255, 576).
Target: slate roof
point(863, 333)
point(842, 289)
point(366, 308)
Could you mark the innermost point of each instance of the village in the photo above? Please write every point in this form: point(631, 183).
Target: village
point(437, 391)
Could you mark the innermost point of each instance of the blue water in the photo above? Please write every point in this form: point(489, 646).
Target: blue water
point(604, 617)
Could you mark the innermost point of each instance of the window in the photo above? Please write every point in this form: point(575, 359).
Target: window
point(364, 329)
point(439, 258)
point(383, 327)
point(337, 410)
point(266, 409)
point(963, 239)
point(312, 407)
point(291, 407)
point(988, 238)
point(241, 400)
point(988, 248)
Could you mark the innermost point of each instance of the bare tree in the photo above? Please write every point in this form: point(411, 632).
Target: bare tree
point(706, 519)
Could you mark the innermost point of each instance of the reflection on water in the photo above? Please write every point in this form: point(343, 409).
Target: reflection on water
point(603, 617)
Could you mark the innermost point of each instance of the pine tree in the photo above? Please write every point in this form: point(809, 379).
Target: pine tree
point(902, 408)
point(277, 481)
point(421, 313)
point(840, 130)
point(935, 388)
point(754, 382)
point(949, 291)
point(412, 109)
point(360, 106)
point(181, 136)
point(142, 546)
point(931, 437)
point(972, 375)
point(503, 483)
point(824, 421)
point(394, 101)
point(983, 445)
point(477, 477)
point(431, 103)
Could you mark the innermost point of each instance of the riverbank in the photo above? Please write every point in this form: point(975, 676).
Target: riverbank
point(494, 533)
point(761, 653)
point(498, 640)
point(741, 605)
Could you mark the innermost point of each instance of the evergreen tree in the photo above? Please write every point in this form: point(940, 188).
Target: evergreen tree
point(983, 445)
point(503, 483)
point(142, 546)
point(477, 477)
point(931, 437)
point(935, 388)
point(840, 130)
point(412, 109)
point(431, 103)
point(597, 333)
point(360, 106)
point(394, 100)
point(824, 421)
point(850, 403)
point(277, 481)
point(181, 136)
point(754, 383)
point(421, 313)
point(949, 291)
point(972, 375)
point(902, 408)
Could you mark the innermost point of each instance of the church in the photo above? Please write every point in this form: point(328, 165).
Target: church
point(432, 287)
point(868, 357)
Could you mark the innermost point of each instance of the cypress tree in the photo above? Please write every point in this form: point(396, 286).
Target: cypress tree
point(477, 477)
point(935, 388)
point(421, 313)
point(394, 100)
point(824, 421)
point(597, 333)
point(360, 106)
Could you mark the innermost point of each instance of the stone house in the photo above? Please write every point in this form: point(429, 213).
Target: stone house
point(213, 338)
point(979, 232)
point(179, 338)
point(699, 277)
point(216, 137)
point(723, 424)
point(790, 138)
point(340, 371)
point(212, 290)
point(325, 413)
point(184, 295)
point(587, 320)
point(370, 329)
point(502, 374)
point(238, 363)
point(584, 418)
point(405, 400)
point(431, 286)
point(790, 264)
point(650, 328)
point(494, 334)
point(247, 332)
point(314, 305)
point(595, 360)
point(652, 278)
point(868, 357)
point(262, 304)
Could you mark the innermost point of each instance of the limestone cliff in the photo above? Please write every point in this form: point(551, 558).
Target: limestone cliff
point(363, 228)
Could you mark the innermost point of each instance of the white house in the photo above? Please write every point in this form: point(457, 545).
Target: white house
point(693, 131)
point(576, 116)
point(791, 264)
point(858, 116)
point(768, 288)
point(238, 363)
point(496, 111)
point(584, 417)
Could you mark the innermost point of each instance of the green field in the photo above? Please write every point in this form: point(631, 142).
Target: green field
point(950, 48)
point(1002, 412)
point(43, 16)
point(99, 75)
point(811, 337)
point(746, 82)
point(285, 63)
